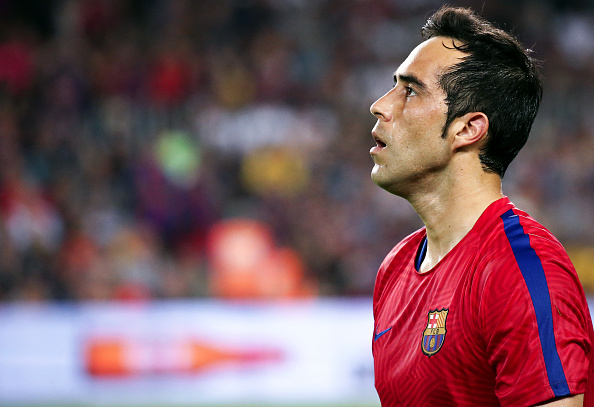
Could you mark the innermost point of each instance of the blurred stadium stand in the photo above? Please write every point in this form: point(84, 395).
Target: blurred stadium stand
point(133, 132)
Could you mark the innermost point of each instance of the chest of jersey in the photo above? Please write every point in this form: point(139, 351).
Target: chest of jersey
point(425, 343)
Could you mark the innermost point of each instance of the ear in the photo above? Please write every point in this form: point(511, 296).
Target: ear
point(469, 129)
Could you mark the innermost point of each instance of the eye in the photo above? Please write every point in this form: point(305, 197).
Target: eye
point(410, 91)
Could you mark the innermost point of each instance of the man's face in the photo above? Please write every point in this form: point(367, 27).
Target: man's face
point(409, 151)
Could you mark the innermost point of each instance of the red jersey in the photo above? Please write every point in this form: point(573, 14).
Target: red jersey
point(502, 319)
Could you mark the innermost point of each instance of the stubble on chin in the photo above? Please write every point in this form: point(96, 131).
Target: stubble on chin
point(382, 180)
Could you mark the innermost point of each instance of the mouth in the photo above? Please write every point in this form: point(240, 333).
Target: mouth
point(378, 141)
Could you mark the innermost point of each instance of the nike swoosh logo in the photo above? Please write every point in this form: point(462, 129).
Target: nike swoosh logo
point(377, 335)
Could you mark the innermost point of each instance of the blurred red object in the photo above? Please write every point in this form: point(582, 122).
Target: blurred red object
point(122, 357)
point(170, 79)
point(245, 263)
point(16, 67)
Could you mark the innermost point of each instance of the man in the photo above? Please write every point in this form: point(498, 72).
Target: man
point(482, 306)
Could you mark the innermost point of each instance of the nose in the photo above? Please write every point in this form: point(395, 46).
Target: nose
point(381, 108)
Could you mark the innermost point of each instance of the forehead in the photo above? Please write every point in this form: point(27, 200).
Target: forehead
point(430, 59)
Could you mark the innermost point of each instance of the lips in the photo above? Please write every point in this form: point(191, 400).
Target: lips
point(379, 143)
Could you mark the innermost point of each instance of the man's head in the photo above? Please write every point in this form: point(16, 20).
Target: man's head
point(496, 77)
point(463, 100)
point(410, 153)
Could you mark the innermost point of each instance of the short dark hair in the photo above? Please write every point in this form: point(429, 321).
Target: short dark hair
point(497, 77)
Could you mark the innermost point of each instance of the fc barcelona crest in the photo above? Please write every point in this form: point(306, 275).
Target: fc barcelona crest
point(434, 334)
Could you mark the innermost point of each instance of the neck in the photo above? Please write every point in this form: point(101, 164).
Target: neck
point(450, 210)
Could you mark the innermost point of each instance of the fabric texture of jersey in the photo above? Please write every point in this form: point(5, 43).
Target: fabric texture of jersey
point(502, 319)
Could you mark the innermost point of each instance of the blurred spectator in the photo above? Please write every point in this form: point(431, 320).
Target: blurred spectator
point(132, 133)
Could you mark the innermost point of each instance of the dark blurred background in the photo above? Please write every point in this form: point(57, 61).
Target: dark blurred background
point(154, 149)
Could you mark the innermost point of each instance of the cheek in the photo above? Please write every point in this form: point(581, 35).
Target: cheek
point(430, 123)
point(433, 109)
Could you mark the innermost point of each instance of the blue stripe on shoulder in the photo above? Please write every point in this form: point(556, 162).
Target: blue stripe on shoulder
point(533, 273)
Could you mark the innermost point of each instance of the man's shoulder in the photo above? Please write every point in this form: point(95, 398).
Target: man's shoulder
point(509, 226)
point(517, 245)
point(520, 231)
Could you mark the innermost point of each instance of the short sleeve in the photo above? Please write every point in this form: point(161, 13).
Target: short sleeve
point(534, 319)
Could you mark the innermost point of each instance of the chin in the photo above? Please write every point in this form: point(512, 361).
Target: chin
point(380, 181)
point(376, 176)
point(388, 184)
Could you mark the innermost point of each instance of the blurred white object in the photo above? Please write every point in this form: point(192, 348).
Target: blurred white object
point(311, 351)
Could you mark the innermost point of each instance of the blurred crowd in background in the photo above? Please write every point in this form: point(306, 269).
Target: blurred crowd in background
point(156, 149)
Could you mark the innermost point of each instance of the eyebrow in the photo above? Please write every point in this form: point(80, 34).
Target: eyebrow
point(410, 78)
